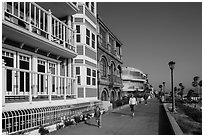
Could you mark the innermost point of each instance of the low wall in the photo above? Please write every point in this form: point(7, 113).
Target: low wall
point(176, 130)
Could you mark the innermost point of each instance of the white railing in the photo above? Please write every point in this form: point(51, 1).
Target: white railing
point(37, 20)
point(20, 82)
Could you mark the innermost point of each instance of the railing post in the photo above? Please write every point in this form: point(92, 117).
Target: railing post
point(4, 79)
point(75, 87)
point(50, 86)
point(65, 88)
point(69, 31)
point(58, 80)
point(49, 24)
point(30, 88)
point(35, 78)
point(29, 18)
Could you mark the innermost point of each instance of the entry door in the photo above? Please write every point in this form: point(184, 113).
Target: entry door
point(24, 62)
point(41, 79)
point(9, 58)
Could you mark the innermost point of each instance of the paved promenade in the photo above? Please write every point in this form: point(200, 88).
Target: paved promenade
point(148, 120)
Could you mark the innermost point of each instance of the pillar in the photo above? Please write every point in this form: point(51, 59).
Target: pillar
point(49, 86)
point(34, 76)
point(4, 79)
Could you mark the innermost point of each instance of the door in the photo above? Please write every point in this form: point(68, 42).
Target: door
point(24, 63)
point(41, 77)
point(9, 58)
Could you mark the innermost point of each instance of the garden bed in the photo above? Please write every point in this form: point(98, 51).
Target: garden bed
point(189, 119)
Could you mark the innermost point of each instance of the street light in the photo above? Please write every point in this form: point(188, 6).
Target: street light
point(164, 89)
point(171, 66)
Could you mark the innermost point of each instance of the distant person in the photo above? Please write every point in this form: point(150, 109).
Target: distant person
point(146, 96)
point(132, 103)
point(97, 115)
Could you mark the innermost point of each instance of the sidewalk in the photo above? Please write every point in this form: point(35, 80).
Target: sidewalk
point(120, 122)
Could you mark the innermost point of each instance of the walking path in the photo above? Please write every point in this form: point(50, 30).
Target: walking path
point(145, 122)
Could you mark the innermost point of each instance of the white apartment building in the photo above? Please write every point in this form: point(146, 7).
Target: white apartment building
point(133, 80)
point(39, 84)
point(85, 23)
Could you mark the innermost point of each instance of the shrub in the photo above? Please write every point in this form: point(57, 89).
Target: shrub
point(194, 113)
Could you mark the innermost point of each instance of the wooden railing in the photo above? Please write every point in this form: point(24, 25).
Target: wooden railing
point(35, 19)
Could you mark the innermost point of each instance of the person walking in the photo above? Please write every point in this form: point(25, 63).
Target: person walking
point(97, 115)
point(132, 103)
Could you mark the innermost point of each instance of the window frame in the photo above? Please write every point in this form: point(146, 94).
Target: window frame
point(88, 36)
point(92, 7)
point(93, 40)
point(78, 33)
point(78, 75)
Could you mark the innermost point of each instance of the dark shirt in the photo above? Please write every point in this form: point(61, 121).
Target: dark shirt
point(97, 113)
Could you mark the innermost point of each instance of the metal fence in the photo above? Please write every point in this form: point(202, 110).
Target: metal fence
point(27, 119)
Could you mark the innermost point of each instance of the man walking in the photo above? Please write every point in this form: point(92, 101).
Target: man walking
point(132, 103)
point(97, 115)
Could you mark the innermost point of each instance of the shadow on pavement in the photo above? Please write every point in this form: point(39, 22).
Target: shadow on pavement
point(120, 113)
point(90, 124)
point(164, 126)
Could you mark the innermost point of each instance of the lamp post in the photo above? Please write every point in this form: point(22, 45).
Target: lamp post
point(164, 89)
point(171, 66)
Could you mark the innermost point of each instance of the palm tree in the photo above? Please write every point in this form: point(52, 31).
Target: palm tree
point(195, 83)
point(200, 85)
point(181, 90)
point(190, 93)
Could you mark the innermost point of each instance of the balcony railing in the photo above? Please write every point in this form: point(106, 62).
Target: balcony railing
point(115, 80)
point(20, 84)
point(35, 19)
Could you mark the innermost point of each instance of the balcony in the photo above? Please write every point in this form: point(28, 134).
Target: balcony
point(28, 23)
point(115, 81)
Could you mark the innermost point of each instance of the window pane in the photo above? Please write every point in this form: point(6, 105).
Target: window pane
point(78, 28)
point(93, 73)
point(78, 80)
point(87, 41)
point(87, 4)
point(88, 72)
point(77, 70)
point(24, 65)
point(88, 80)
point(93, 37)
point(78, 38)
point(87, 32)
point(93, 81)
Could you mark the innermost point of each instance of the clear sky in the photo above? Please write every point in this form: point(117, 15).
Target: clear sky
point(154, 34)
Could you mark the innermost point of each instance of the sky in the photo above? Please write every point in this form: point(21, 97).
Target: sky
point(156, 33)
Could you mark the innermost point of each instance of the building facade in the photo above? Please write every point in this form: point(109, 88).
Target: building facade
point(39, 84)
point(85, 63)
point(134, 80)
point(109, 53)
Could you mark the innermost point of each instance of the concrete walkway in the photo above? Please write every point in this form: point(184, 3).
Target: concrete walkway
point(147, 121)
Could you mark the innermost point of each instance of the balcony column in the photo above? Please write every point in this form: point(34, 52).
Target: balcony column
point(66, 80)
point(69, 75)
point(3, 9)
point(70, 34)
point(114, 46)
point(49, 24)
point(49, 86)
point(58, 80)
point(34, 77)
point(120, 50)
point(75, 87)
point(4, 80)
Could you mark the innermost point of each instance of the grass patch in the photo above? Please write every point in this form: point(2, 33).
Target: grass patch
point(189, 119)
point(187, 125)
